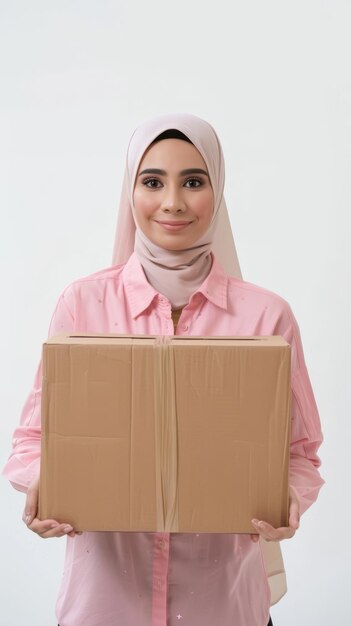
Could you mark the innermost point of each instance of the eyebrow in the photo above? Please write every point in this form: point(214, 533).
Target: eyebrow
point(193, 170)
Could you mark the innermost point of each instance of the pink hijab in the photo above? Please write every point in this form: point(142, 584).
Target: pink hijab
point(177, 274)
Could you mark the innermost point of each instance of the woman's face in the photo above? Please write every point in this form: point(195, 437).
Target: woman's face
point(173, 207)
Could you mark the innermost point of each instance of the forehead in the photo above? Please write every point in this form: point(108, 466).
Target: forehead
point(172, 154)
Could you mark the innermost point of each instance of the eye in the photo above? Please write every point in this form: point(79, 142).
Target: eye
point(197, 180)
point(146, 182)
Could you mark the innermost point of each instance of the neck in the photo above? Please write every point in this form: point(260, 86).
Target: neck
point(175, 274)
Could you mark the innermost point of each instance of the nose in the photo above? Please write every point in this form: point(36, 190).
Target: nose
point(173, 202)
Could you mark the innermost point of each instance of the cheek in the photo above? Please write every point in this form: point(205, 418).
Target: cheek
point(144, 205)
point(204, 205)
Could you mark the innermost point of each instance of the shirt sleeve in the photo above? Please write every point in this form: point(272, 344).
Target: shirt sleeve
point(23, 464)
point(306, 434)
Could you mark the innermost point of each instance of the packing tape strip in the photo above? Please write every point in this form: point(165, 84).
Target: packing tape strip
point(166, 436)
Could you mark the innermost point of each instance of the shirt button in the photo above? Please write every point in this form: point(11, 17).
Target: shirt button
point(185, 327)
point(161, 544)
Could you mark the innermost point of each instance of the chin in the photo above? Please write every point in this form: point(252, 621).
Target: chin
point(173, 246)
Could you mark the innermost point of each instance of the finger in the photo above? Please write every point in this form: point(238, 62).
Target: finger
point(59, 531)
point(40, 526)
point(50, 528)
point(262, 530)
point(269, 533)
point(294, 513)
point(31, 504)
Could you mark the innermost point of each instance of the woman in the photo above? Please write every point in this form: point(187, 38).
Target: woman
point(175, 271)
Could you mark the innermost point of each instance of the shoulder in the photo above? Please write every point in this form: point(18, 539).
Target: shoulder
point(257, 295)
point(270, 310)
point(79, 304)
point(93, 284)
point(272, 314)
point(245, 296)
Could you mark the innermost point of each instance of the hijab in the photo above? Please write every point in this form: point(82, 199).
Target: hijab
point(176, 274)
point(221, 244)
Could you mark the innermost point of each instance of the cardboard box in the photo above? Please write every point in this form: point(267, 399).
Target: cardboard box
point(174, 434)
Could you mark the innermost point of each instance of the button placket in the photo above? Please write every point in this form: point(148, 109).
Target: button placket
point(160, 579)
point(165, 313)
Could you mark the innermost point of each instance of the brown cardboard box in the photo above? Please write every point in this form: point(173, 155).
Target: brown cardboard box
point(165, 433)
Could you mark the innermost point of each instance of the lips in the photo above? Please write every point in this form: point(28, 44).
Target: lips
point(173, 225)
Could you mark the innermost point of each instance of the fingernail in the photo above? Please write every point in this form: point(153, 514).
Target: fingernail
point(27, 519)
point(67, 529)
point(254, 521)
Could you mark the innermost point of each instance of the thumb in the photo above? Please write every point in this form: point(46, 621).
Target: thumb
point(31, 505)
point(294, 513)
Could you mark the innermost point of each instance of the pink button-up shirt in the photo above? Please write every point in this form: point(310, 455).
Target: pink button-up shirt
point(162, 579)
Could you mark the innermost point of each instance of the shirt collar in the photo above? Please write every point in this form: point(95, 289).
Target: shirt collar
point(215, 286)
point(141, 293)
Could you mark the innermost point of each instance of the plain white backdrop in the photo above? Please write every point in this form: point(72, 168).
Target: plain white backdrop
point(273, 78)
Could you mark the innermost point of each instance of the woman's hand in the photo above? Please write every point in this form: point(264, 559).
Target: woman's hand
point(44, 528)
point(269, 533)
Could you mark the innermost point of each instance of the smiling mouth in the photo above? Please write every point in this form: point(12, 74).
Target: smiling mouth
point(173, 225)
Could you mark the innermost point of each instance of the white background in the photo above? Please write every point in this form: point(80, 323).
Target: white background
point(273, 78)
